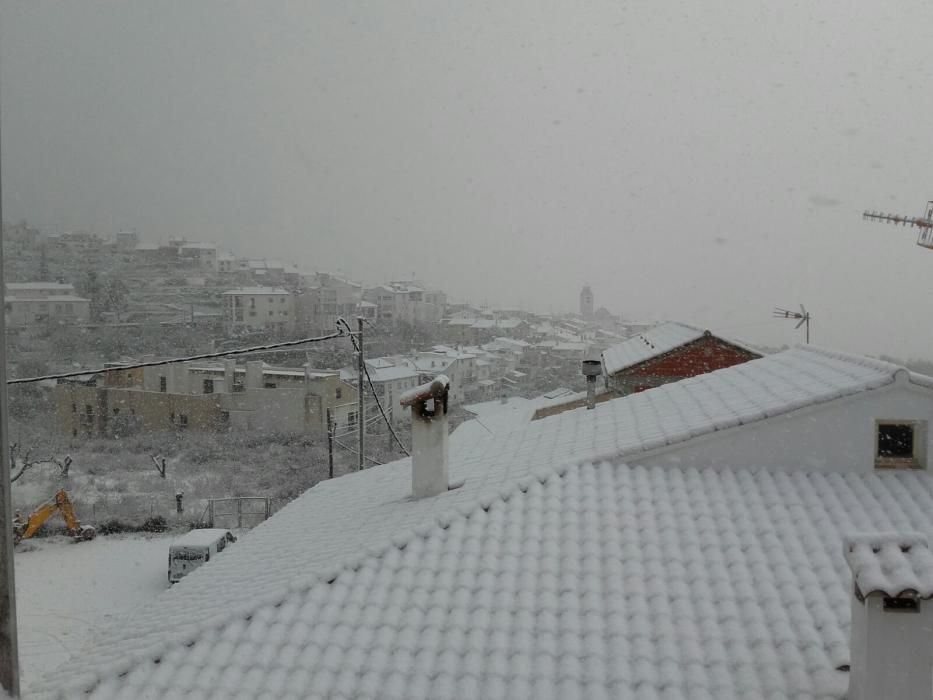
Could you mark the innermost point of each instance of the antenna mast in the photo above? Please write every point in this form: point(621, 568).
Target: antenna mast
point(803, 316)
point(924, 223)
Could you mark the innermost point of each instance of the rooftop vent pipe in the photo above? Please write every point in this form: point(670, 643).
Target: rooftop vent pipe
point(591, 370)
point(428, 404)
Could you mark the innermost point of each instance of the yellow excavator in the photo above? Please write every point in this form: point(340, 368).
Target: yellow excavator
point(24, 528)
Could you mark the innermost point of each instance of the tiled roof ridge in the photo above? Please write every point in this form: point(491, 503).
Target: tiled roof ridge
point(645, 334)
point(870, 362)
point(85, 682)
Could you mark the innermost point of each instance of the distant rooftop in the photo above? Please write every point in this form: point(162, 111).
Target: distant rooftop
point(257, 291)
point(46, 298)
point(652, 343)
point(33, 286)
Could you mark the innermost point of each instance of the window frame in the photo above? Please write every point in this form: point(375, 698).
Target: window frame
point(918, 459)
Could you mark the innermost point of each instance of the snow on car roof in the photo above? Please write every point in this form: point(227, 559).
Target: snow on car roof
point(202, 537)
point(371, 512)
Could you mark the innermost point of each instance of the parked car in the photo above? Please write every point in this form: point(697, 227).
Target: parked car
point(195, 548)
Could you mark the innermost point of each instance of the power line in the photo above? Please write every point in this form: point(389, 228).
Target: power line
point(356, 452)
point(375, 395)
point(369, 421)
point(191, 358)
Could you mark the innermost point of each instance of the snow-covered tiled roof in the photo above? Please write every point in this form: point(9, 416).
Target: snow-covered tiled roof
point(36, 286)
point(749, 525)
point(257, 291)
point(893, 564)
point(598, 580)
point(46, 298)
point(381, 370)
point(649, 344)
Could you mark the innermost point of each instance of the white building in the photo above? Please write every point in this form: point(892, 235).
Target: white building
point(259, 309)
point(126, 240)
point(25, 310)
point(390, 380)
point(327, 297)
point(458, 366)
point(558, 564)
point(204, 255)
point(226, 263)
point(407, 302)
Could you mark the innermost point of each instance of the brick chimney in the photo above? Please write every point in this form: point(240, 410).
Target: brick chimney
point(428, 404)
point(891, 647)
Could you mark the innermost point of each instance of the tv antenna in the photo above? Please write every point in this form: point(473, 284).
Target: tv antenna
point(802, 316)
point(924, 223)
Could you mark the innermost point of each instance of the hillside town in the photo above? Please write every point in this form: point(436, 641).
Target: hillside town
point(593, 454)
point(465, 351)
point(85, 285)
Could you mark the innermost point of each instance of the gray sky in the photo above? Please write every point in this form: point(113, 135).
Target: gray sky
point(693, 161)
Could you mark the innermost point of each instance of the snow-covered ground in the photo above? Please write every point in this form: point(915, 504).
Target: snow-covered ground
point(66, 591)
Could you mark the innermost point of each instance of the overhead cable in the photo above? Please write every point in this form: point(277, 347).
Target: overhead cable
point(372, 389)
point(356, 452)
point(191, 358)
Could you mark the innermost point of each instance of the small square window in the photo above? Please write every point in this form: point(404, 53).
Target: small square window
point(896, 440)
point(208, 386)
point(900, 444)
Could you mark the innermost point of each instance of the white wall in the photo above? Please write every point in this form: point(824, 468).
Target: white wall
point(267, 410)
point(835, 436)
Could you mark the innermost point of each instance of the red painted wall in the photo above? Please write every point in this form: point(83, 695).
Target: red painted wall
point(699, 357)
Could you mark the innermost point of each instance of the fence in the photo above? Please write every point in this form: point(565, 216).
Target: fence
point(238, 512)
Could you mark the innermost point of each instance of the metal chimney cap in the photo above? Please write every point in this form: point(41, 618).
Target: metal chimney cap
point(592, 368)
point(435, 389)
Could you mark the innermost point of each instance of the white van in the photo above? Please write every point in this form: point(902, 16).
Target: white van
point(188, 552)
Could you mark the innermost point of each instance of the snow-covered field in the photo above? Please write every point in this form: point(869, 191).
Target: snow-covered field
point(66, 591)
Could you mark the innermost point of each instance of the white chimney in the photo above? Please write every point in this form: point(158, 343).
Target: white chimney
point(891, 648)
point(254, 376)
point(428, 436)
point(229, 374)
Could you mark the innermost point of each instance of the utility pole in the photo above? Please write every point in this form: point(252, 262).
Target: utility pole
point(330, 445)
point(359, 385)
point(9, 651)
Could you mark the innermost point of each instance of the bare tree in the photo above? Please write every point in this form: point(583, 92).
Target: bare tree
point(159, 463)
point(21, 462)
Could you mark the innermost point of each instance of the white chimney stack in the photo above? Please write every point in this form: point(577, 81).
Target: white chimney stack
point(891, 648)
point(428, 436)
point(229, 374)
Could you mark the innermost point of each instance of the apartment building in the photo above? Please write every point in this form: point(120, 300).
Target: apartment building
point(259, 309)
point(206, 397)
